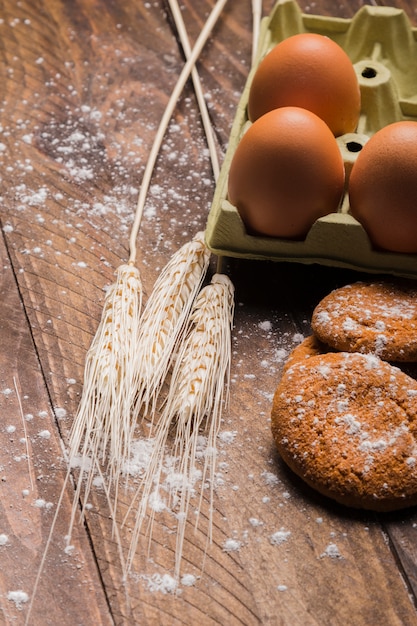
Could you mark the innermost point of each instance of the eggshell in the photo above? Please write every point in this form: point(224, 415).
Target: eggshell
point(310, 71)
point(286, 172)
point(383, 187)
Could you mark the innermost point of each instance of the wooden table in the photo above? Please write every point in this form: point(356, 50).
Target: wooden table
point(84, 84)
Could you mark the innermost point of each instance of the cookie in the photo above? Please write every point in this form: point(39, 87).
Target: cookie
point(347, 425)
point(370, 317)
point(311, 346)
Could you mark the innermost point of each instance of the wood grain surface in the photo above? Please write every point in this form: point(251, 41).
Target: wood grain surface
point(83, 87)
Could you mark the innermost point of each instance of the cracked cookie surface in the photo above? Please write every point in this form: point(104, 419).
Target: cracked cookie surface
point(370, 317)
point(347, 425)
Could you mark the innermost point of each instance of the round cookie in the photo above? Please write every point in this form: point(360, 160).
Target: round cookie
point(347, 425)
point(370, 317)
point(310, 346)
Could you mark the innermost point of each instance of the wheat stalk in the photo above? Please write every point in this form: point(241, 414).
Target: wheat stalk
point(178, 283)
point(163, 125)
point(164, 317)
point(205, 118)
point(102, 426)
point(101, 430)
point(198, 389)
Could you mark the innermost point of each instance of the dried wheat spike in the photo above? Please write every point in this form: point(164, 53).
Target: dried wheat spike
point(198, 390)
point(101, 431)
point(164, 317)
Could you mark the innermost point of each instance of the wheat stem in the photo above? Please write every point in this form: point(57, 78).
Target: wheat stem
point(101, 433)
point(205, 118)
point(201, 40)
point(256, 21)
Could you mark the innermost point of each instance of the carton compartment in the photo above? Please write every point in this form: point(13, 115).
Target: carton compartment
point(382, 46)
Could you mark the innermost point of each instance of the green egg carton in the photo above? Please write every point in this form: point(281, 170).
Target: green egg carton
point(382, 46)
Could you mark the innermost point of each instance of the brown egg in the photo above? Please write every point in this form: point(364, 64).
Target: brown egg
point(383, 188)
point(310, 71)
point(286, 172)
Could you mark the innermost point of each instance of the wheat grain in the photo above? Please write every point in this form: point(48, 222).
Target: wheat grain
point(164, 317)
point(200, 387)
point(101, 432)
point(198, 390)
point(101, 429)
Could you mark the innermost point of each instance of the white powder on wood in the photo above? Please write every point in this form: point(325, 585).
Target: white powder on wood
point(18, 597)
point(332, 551)
point(232, 545)
point(188, 580)
point(163, 583)
point(279, 537)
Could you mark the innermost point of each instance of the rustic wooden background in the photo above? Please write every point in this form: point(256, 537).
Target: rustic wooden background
point(83, 86)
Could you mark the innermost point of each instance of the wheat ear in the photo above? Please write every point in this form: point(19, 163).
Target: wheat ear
point(102, 385)
point(101, 430)
point(198, 390)
point(164, 317)
point(176, 287)
point(106, 387)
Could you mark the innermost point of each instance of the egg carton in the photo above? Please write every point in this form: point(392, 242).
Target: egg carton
point(382, 46)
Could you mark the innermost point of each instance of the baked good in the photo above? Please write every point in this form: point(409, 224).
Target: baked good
point(346, 423)
point(370, 317)
point(310, 346)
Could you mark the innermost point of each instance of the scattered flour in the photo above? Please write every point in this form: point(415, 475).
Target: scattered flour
point(279, 537)
point(164, 583)
point(266, 326)
point(227, 436)
point(18, 597)
point(44, 434)
point(188, 580)
point(253, 521)
point(332, 551)
point(270, 478)
point(232, 545)
point(40, 503)
point(60, 413)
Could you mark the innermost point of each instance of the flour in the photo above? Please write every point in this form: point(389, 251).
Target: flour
point(60, 413)
point(188, 580)
point(227, 436)
point(232, 545)
point(18, 597)
point(40, 503)
point(270, 478)
point(266, 326)
point(332, 551)
point(162, 583)
point(279, 537)
point(44, 434)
